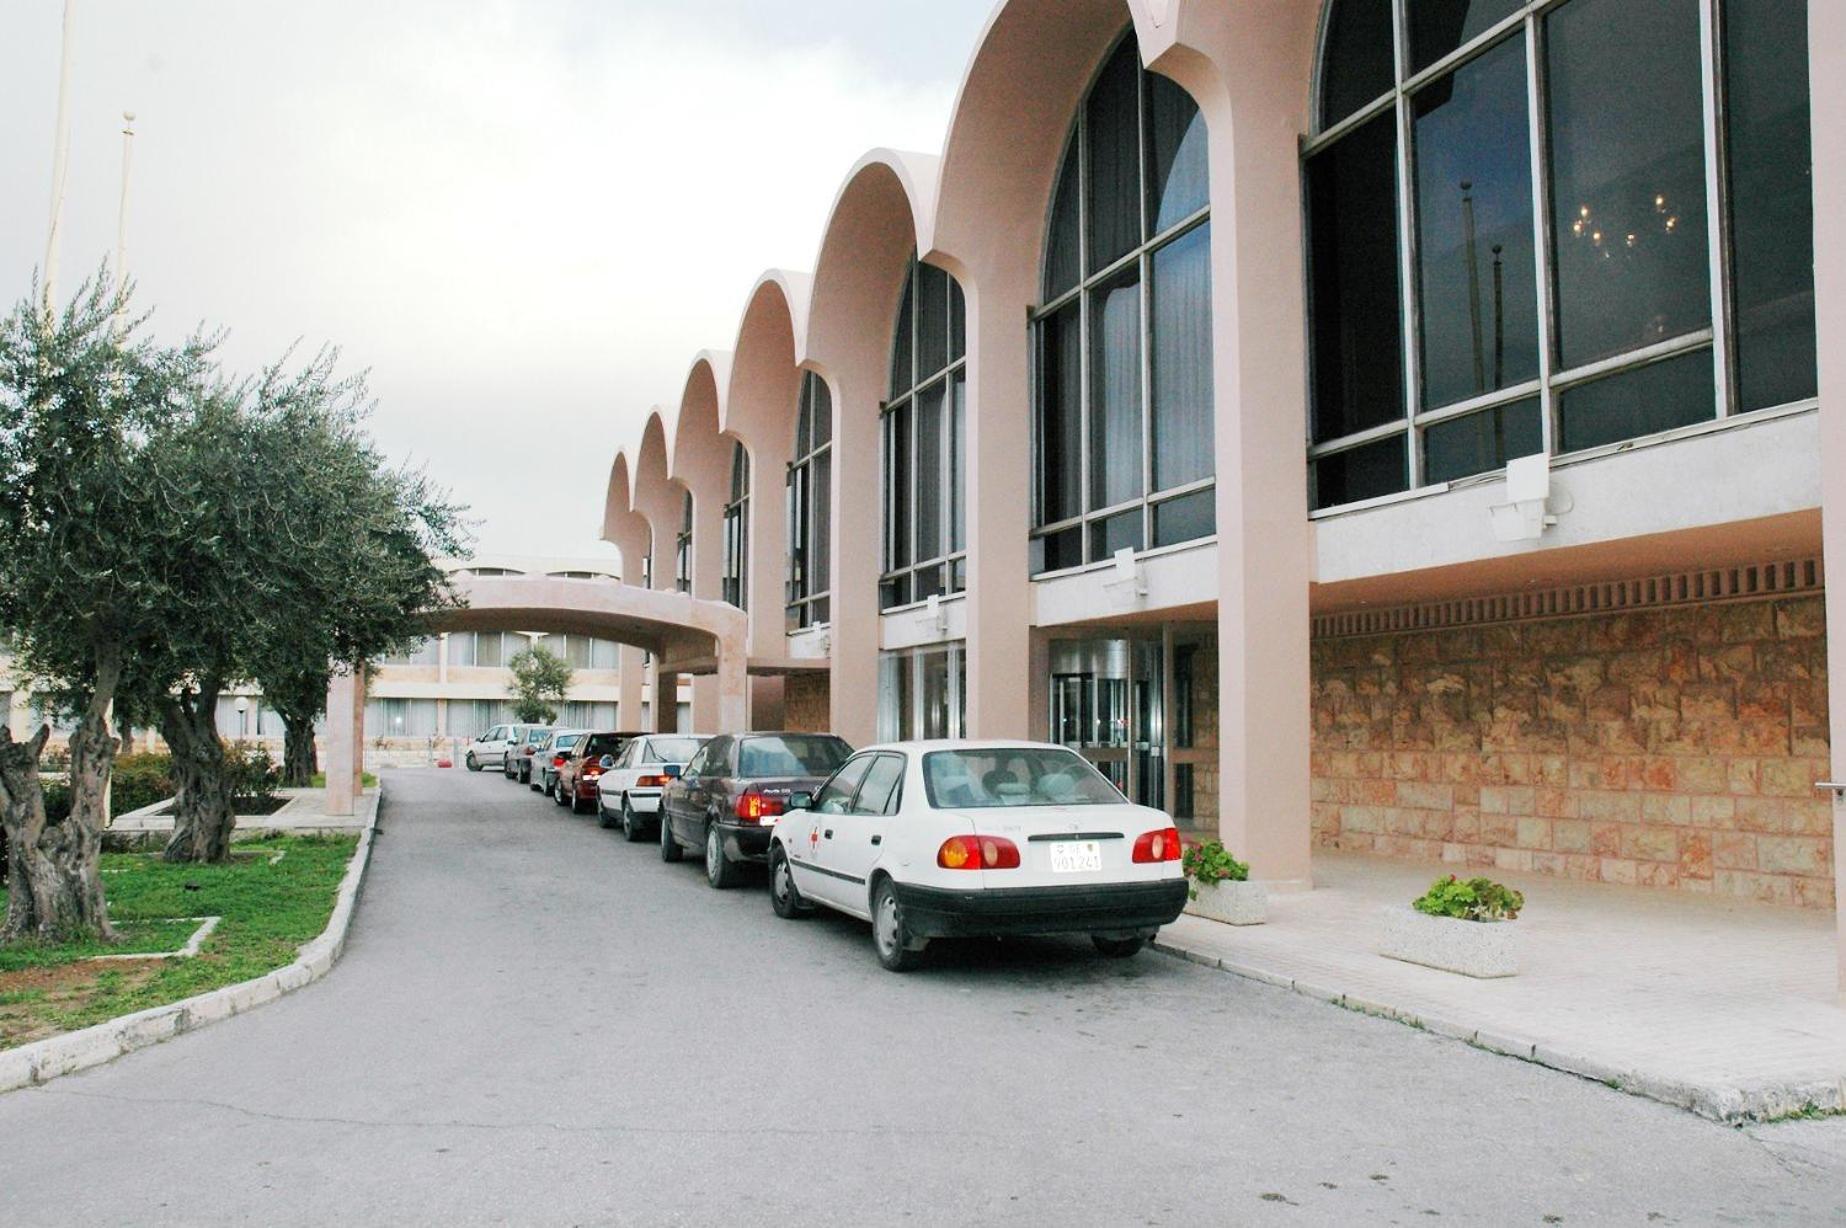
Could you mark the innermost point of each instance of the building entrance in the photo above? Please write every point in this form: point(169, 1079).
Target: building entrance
point(1107, 705)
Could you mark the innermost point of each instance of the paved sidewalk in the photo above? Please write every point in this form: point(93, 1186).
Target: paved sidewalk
point(1724, 1008)
point(304, 813)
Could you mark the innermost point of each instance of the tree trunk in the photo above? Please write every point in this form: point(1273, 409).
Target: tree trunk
point(299, 760)
point(54, 891)
point(203, 813)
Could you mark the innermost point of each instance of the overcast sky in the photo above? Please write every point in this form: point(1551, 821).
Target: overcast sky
point(523, 217)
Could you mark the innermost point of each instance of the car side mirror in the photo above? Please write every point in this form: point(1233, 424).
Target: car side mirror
point(801, 801)
point(672, 771)
point(607, 761)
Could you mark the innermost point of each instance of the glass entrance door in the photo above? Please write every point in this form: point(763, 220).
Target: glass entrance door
point(1107, 705)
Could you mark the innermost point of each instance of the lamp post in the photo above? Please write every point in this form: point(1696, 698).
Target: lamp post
point(243, 717)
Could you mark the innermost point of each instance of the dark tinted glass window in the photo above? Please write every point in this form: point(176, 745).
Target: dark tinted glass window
point(1360, 473)
point(1113, 116)
point(1181, 361)
point(1186, 518)
point(929, 464)
point(1360, 54)
point(878, 793)
point(1056, 551)
point(1653, 398)
point(1115, 392)
point(1064, 257)
point(933, 320)
point(902, 373)
point(1438, 27)
point(1060, 425)
point(1628, 175)
point(1772, 200)
point(821, 420)
point(1461, 447)
point(1358, 312)
point(1476, 275)
point(1177, 167)
point(1108, 536)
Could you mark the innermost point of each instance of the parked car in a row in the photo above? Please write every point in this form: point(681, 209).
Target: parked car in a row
point(731, 793)
point(549, 754)
point(628, 791)
point(576, 772)
point(517, 763)
point(960, 839)
point(490, 749)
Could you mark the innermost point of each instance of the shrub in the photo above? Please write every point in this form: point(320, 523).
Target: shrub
point(139, 780)
point(1477, 899)
point(254, 774)
point(1212, 863)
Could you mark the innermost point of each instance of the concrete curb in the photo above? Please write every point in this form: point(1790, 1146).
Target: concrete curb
point(45, 1060)
point(1731, 1104)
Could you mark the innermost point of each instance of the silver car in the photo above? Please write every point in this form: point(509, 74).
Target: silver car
point(548, 754)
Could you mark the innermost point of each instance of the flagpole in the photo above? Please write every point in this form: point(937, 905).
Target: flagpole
point(60, 157)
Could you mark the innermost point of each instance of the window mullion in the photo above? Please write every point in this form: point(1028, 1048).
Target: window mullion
point(1538, 130)
point(1407, 254)
point(1717, 206)
point(1145, 376)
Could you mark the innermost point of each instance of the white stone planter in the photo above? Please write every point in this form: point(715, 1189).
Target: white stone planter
point(1472, 948)
point(1233, 903)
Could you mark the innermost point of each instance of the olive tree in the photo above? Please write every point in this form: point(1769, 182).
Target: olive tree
point(85, 555)
point(541, 679)
point(306, 551)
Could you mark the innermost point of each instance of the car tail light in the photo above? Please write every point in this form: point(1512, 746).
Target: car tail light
point(592, 770)
point(651, 782)
point(557, 761)
point(1161, 845)
point(754, 807)
point(978, 853)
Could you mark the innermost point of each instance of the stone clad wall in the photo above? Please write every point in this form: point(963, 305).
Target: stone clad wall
point(1673, 747)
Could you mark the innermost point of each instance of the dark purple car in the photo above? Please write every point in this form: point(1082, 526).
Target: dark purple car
point(732, 792)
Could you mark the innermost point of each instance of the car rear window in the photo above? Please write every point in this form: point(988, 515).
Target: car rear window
point(1013, 776)
point(791, 756)
point(671, 750)
point(603, 744)
point(565, 741)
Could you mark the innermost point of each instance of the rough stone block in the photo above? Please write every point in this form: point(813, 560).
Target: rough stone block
point(1232, 903)
point(1808, 856)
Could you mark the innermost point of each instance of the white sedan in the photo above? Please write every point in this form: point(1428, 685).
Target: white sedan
point(938, 839)
point(628, 791)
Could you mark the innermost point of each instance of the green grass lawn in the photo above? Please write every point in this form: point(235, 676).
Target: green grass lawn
point(268, 911)
point(319, 780)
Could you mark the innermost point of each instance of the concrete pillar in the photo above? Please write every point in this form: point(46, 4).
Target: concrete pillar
point(857, 557)
point(1826, 47)
point(628, 687)
point(664, 712)
point(345, 736)
point(732, 687)
point(999, 508)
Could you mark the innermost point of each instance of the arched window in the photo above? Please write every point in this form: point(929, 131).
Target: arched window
point(1123, 425)
point(810, 506)
point(682, 549)
point(737, 531)
point(1551, 227)
point(924, 442)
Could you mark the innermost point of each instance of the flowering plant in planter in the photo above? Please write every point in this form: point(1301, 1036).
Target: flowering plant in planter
point(1475, 899)
point(1211, 863)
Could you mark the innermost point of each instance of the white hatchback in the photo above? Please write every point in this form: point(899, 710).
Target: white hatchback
point(948, 839)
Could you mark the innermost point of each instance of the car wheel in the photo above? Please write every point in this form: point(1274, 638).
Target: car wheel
point(604, 819)
point(474, 765)
point(576, 803)
point(784, 896)
point(557, 792)
point(525, 773)
point(720, 871)
point(897, 950)
point(1118, 948)
point(631, 823)
point(669, 847)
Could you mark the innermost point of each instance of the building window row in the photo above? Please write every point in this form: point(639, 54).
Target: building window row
point(737, 531)
point(682, 548)
point(1548, 227)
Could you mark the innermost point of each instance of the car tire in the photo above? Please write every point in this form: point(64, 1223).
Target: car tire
point(1118, 948)
point(897, 950)
point(784, 896)
point(557, 791)
point(474, 765)
point(632, 827)
point(575, 803)
point(604, 819)
point(720, 871)
point(669, 847)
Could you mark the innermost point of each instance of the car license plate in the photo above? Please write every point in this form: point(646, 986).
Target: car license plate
point(1075, 857)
